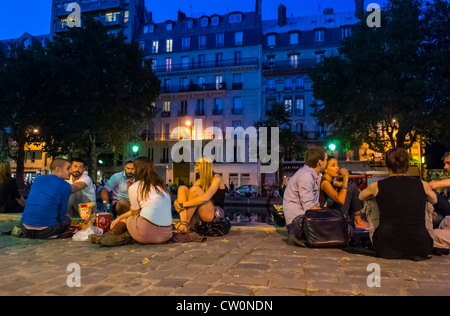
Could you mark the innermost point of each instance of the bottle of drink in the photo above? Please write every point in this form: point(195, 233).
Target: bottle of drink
point(103, 207)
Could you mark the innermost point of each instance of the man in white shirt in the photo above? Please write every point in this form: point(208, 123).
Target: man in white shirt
point(83, 190)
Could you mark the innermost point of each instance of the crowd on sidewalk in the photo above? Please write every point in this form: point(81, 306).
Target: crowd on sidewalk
point(399, 212)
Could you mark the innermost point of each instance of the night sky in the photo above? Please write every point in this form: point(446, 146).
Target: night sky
point(33, 16)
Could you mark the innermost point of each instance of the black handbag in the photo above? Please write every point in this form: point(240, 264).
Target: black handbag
point(325, 228)
point(218, 227)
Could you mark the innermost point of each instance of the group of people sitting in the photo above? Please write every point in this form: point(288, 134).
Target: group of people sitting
point(399, 209)
point(141, 202)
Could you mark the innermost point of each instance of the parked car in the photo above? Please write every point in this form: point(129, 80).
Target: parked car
point(248, 190)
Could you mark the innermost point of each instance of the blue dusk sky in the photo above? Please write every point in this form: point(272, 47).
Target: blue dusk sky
point(33, 16)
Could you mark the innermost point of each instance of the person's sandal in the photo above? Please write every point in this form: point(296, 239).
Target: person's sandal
point(182, 223)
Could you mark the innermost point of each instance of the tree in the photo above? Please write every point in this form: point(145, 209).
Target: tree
point(378, 91)
point(291, 147)
point(101, 91)
point(23, 72)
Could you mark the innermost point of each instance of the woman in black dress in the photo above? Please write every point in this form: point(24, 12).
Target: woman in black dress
point(397, 219)
point(10, 199)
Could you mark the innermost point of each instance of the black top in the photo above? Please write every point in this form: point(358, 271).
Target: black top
point(324, 200)
point(402, 232)
point(218, 198)
point(8, 193)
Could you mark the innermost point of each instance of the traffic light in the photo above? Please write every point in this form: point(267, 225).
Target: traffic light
point(135, 149)
point(332, 147)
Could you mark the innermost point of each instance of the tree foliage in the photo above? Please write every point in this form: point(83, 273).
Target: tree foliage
point(390, 84)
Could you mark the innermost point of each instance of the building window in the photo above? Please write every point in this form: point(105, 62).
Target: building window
point(190, 24)
point(319, 35)
point(299, 83)
point(299, 106)
point(288, 84)
point(154, 64)
point(200, 110)
point(271, 40)
point(293, 38)
point(155, 47)
point(169, 45)
point(149, 28)
point(237, 105)
point(202, 41)
point(235, 18)
point(215, 20)
point(219, 59)
point(184, 83)
point(201, 60)
point(293, 60)
point(288, 105)
point(218, 107)
point(237, 58)
point(204, 22)
point(238, 38)
point(126, 16)
point(168, 64)
point(169, 27)
point(185, 43)
point(346, 31)
point(220, 40)
point(271, 85)
point(183, 107)
point(218, 81)
point(237, 81)
point(166, 106)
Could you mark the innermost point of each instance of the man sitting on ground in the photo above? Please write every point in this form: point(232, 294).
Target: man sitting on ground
point(303, 190)
point(83, 190)
point(118, 185)
point(442, 206)
point(45, 212)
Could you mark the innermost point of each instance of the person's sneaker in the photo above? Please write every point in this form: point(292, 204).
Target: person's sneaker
point(17, 231)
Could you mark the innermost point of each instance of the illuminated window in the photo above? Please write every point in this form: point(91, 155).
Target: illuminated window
point(168, 64)
point(155, 47)
point(169, 45)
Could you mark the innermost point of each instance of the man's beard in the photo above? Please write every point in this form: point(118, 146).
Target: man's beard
point(76, 174)
point(130, 175)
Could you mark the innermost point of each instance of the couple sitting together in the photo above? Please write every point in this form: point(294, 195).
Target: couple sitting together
point(149, 219)
point(399, 208)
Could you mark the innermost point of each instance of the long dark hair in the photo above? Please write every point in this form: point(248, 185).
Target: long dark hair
point(144, 171)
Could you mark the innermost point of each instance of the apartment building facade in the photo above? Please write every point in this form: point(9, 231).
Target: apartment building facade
point(219, 71)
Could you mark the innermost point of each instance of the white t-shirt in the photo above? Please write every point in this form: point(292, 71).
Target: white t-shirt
point(88, 193)
point(156, 208)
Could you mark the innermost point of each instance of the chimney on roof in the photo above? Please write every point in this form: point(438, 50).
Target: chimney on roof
point(258, 7)
point(281, 15)
point(359, 8)
point(328, 11)
point(181, 15)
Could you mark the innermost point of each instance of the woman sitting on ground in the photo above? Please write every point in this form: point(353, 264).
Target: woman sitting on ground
point(197, 203)
point(341, 195)
point(396, 211)
point(150, 219)
point(10, 199)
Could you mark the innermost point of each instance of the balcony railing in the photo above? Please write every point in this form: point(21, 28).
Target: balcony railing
point(194, 87)
point(290, 65)
point(207, 64)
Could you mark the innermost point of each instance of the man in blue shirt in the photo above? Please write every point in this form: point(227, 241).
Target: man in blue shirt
point(45, 212)
point(118, 185)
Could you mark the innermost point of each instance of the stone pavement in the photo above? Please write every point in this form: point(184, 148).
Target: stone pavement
point(252, 260)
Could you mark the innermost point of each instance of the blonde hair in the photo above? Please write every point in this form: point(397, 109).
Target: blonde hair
point(206, 173)
point(5, 171)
